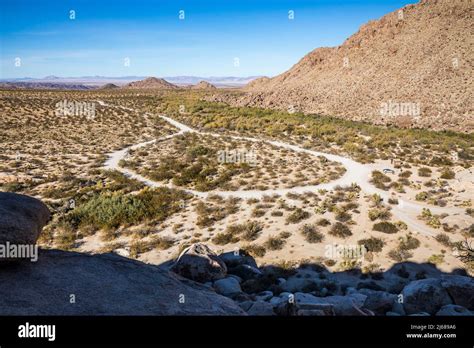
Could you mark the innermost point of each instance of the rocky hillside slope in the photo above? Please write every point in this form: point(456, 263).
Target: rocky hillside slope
point(151, 82)
point(203, 85)
point(413, 67)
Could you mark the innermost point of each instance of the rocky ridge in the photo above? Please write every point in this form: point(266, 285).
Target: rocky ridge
point(412, 68)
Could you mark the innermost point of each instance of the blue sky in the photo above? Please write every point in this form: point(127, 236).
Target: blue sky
point(158, 43)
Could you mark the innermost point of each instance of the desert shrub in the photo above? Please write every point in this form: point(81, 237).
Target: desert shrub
point(121, 182)
point(405, 174)
point(401, 225)
point(379, 213)
point(343, 216)
point(443, 238)
point(422, 196)
point(323, 222)
point(161, 243)
point(436, 259)
point(65, 240)
point(340, 230)
point(14, 186)
point(399, 255)
point(385, 227)
point(274, 243)
point(447, 174)
point(276, 213)
point(225, 238)
point(372, 244)
point(311, 234)
point(379, 179)
point(258, 212)
point(297, 216)
point(409, 242)
point(393, 201)
point(252, 230)
point(255, 250)
point(113, 210)
point(424, 172)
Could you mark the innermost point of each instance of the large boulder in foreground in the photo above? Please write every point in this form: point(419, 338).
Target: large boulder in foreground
point(105, 284)
point(198, 262)
point(21, 218)
point(460, 289)
point(425, 295)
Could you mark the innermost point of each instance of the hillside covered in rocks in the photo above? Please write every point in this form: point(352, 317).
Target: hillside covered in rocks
point(418, 55)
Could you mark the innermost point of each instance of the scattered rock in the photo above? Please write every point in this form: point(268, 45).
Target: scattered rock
point(378, 302)
point(199, 263)
point(295, 284)
point(452, 309)
point(264, 296)
point(228, 286)
point(245, 272)
point(398, 308)
point(261, 308)
point(232, 259)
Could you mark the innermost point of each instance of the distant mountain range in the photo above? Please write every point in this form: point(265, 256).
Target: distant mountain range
point(85, 82)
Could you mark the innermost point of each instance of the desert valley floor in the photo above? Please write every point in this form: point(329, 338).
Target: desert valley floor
point(142, 178)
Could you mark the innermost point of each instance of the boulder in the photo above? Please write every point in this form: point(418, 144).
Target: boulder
point(302, 305)
point(264, 296)
point(456, 310)
point(21, 218)
point(398, 308)
point(342, 305)
point(378, 302)
point(260, 308)
point(461, 289)
point(105, 284)
point(425, 295)
point(245, 272)
point(297, 284)
point(228, 286)
point(199, 263)
point(232, 259)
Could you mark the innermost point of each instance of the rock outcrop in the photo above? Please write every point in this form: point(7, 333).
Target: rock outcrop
point(199, 263)
point(68, 283)
point(21, 218)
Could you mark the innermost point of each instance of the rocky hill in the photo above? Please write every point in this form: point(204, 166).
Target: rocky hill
point(151, 83)
point(109, 86)
point(203, 85)
point(413, 67)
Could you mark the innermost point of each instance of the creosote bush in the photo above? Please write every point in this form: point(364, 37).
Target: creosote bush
point(385, 227)
point(340, 230)
point(112, 210)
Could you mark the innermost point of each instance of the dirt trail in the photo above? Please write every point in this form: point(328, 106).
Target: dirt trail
point(356, 173)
